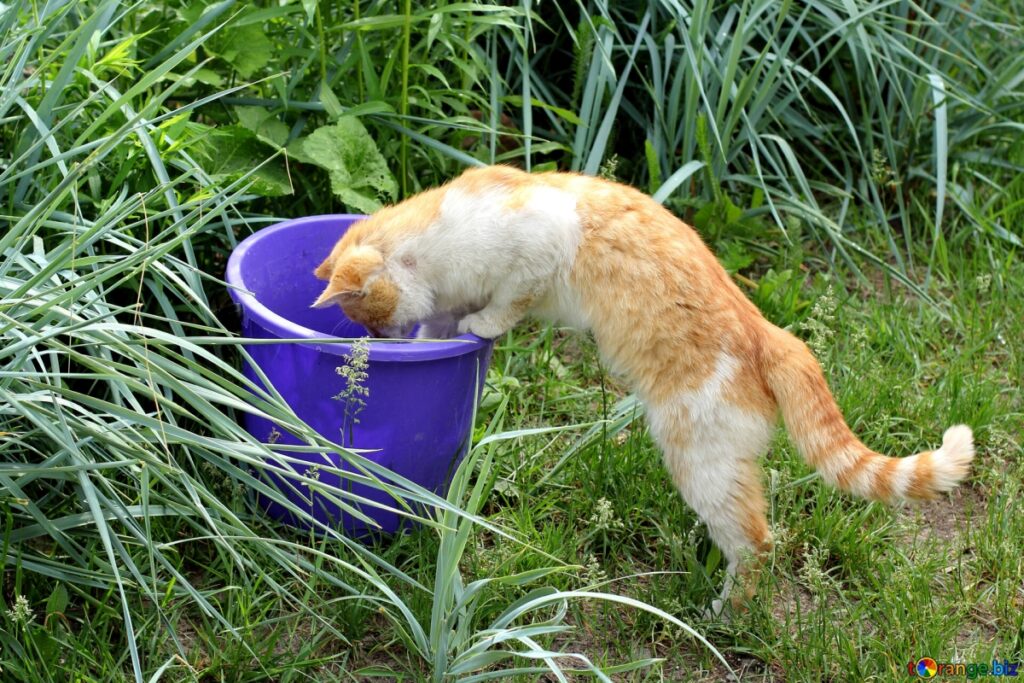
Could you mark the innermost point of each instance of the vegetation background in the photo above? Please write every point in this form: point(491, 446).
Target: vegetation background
point(856, 165)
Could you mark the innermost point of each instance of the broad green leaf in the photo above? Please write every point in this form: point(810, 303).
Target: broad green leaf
point(232, 152)
point(359, 173)
point(246, 48)
point(267, 127)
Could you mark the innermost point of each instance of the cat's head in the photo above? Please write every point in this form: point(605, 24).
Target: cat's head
point(380, 291)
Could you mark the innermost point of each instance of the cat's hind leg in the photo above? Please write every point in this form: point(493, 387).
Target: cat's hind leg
point(711, 452)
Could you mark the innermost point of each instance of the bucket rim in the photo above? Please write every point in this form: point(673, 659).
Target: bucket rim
point(279, 326)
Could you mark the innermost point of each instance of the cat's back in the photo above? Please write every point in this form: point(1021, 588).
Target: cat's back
point(509, 198)
point(511, 214)
point(628, 237)
point(660, 305)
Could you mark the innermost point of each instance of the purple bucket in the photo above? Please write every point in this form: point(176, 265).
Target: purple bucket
point(418, 412)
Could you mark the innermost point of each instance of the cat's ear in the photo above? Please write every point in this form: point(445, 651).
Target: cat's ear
point(331, 296)
point(323, 271)
point(347, 275)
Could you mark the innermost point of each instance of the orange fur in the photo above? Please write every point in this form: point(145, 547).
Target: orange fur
point(387, 228)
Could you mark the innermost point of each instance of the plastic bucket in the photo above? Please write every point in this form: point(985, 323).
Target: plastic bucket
point(419, 407)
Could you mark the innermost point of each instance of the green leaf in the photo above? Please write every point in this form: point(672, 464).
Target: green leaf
point(371, 107)
point(58, 600)
point(733, 213)
point(680, 176)
point(246, 48)
point(358, 172)
point(734, 256)
point(232, 152)
point(530, 576)
point(478, 662)
point(702, 219)
point(45, 643)
point(264, 124)
point(309, 6)
point(569, 116)
point(653, 168)
point(330, 101)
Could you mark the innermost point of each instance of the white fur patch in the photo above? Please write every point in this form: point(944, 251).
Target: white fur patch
point(950, 463)
point(835, 464)
point(703, 402)
point(482, 255)
point(863, 484)
point(902, 475)
point(705, 459)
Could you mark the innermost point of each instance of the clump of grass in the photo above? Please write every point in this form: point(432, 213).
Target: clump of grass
point(835, 116)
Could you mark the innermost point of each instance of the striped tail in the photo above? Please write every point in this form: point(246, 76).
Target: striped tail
point(827, 444)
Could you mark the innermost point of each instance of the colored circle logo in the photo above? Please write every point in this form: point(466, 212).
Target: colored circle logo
point(926, 667)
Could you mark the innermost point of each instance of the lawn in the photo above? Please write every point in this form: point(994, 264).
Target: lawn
point(857, 166)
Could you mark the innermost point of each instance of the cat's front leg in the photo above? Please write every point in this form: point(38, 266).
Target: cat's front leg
point(487, 326)
point(497, 317)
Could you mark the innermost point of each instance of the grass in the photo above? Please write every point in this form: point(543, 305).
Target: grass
point(876, 213)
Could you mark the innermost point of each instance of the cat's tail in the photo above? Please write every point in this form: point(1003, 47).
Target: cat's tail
point(825, 441)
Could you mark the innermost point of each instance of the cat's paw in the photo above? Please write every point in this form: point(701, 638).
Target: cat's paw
point(481, 326)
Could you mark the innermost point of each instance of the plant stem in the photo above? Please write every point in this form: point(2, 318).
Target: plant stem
point(404, 104)
point(359, 45)
point(321, 38)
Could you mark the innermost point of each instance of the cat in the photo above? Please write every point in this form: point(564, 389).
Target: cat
point(478, 254)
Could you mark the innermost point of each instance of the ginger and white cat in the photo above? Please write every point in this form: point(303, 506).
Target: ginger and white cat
point(496, 243)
